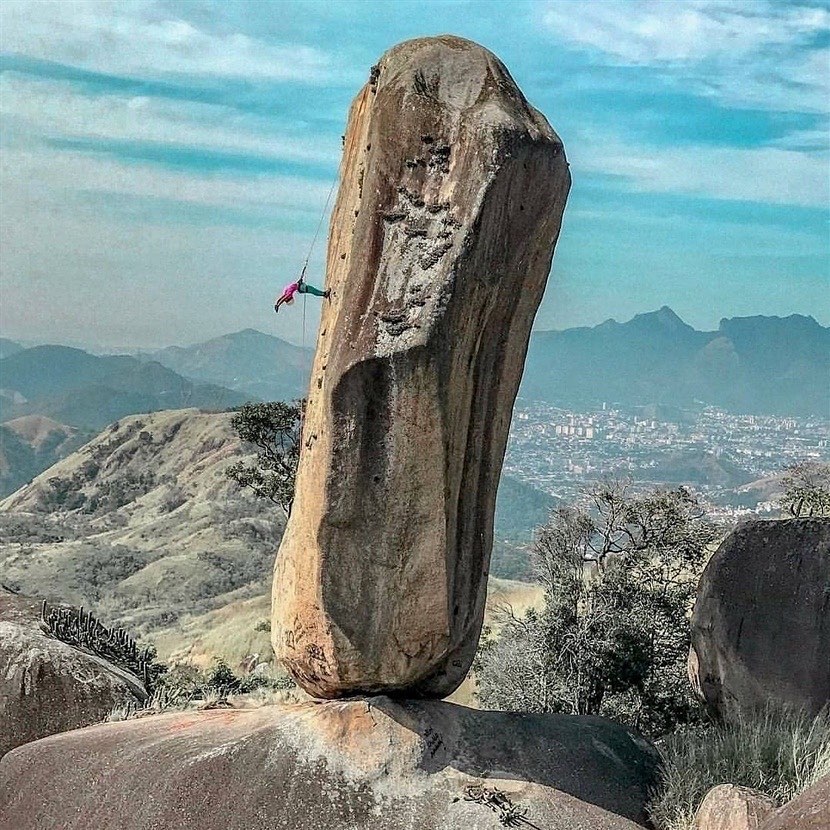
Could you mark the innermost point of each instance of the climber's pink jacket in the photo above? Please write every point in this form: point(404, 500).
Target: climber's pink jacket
point(288, 292)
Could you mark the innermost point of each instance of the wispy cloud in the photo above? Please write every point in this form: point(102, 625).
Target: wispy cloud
point(140, 37)
point(654, 31)
point(61, 112)
point(44, 174)
point(760, 174)
point(755, 52)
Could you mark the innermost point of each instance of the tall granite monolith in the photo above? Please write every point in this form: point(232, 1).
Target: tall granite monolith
point(451, 196)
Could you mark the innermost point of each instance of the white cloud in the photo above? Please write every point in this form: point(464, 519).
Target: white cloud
point(758, 53)
point(72, 264)
point(652, 31)
point(137, 37)
point(58, 110)
point(56, 176)
point(761, 174)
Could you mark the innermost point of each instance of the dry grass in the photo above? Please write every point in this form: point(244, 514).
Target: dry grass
point(779, 752)
point(501, 593)
point(229, 632)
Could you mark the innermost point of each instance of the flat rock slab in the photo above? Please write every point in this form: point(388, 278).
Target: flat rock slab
point(48, 686)
point(369, 764)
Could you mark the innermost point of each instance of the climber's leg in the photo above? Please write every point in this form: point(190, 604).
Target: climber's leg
point(305, 288)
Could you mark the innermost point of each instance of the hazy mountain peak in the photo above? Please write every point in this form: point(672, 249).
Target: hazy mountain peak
point(758, 365)
point(250, 334)
point(257, 364)
point(805, 322)
point(664, 318)
point(9, 347)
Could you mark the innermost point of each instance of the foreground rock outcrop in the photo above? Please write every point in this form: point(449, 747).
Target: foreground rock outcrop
point(730, 807)
point(450, 203)
point(373, 765)
point(808, 811)
point(47, 686)
point(761, 622)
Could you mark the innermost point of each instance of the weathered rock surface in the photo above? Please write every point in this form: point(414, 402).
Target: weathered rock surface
point(809, 811)
point(451, 198)
point(47, 686)
point(730, 807)
point(761, 622)
point(373, 764)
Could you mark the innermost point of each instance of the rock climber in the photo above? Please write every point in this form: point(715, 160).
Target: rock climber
point(300, 286)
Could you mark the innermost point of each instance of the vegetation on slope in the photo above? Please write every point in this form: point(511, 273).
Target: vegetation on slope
point(619, 574)
point(142, 524)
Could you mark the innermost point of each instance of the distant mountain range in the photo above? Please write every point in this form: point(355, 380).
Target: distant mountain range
point(82, 390)
point(756, 365)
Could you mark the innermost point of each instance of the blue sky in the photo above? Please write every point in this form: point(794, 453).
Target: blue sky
point(164, 164)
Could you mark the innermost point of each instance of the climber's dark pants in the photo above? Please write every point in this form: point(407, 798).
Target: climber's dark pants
point(305, 288)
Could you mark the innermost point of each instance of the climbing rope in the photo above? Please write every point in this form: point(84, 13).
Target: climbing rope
point(311, 247)
point(319, 226)
point(304, 300)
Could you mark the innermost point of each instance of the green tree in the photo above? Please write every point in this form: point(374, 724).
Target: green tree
point(274, 429)
point(619, 573)
point(806, 489)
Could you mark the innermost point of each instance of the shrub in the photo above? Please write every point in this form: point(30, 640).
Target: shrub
point(80, 628)
point(274, 430)
point(806, 489)
point(619, 574)
point(220, 678)
point(778, 751)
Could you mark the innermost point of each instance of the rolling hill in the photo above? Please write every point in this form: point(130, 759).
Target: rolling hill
point(142, 526)
point(141, 523)
point(692, 467)
point(30, 444)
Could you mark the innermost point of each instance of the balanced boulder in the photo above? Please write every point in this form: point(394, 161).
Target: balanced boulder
point(374, 764)
point(761, 621)
point(48, 686)
point(451, 198)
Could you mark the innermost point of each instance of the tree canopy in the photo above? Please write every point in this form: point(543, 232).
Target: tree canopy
point(806, 489)
point(274, 430)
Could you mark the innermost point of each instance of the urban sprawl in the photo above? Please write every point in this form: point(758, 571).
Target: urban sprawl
point(723, 457)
